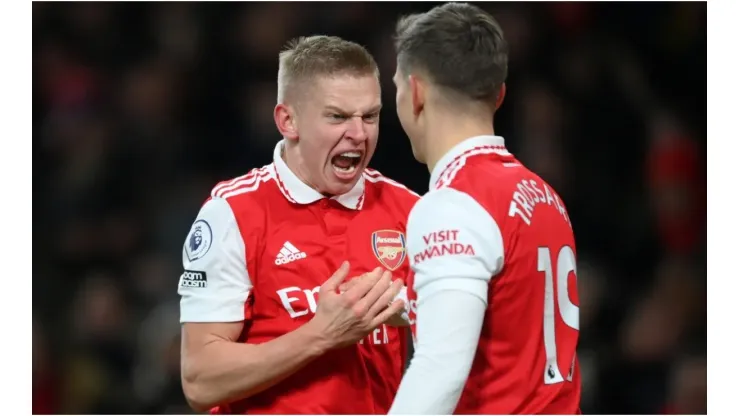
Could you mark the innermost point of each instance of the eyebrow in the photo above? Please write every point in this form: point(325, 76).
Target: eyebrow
point(375, 109)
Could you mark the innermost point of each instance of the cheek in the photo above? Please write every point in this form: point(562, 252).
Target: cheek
point(320, 135)
point(402, 104)
point(399, 102)
point(373, 131)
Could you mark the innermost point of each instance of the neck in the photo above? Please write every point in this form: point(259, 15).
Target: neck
point(446, 131)
point(292, 157)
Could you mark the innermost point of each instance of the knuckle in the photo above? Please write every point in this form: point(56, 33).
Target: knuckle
point(351, 298)
point(357, 311)
point(346, 301)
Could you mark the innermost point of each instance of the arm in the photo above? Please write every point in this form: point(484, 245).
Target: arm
point(215, 287)
point(447, 330)
point(452, 292)
point(217, 369)
point(214, 290)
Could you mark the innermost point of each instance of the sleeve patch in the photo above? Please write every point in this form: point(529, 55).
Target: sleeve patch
point(199, 240)
point(193, 278)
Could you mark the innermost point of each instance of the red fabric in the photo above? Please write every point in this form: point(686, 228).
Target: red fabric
point(509, 370)
point(360, 379)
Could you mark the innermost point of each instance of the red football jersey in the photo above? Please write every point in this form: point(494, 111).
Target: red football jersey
point(510, 229)
point(261, 247)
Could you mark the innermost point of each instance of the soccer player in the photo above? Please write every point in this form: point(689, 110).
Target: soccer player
point(491, 244)
point(264, 331)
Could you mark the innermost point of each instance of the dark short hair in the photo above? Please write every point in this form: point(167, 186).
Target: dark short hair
point(458, 46)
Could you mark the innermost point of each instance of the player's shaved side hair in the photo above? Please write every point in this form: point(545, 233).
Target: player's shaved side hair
point(457, 47)
point(306, 58)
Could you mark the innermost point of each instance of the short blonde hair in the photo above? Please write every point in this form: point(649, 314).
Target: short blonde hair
point(307, 57)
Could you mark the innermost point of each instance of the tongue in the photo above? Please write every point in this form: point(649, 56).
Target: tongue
point(343, 162)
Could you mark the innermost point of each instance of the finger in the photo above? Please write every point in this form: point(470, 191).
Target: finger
point(338, 277)
point(364, 283)
point(348, 284)
point(396, 307)
point(375, 293)
point(386, 298)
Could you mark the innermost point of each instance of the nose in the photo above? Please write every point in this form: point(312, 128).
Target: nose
point(356, 129)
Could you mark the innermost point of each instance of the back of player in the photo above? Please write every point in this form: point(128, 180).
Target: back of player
point(526, 358)
point(490, 245)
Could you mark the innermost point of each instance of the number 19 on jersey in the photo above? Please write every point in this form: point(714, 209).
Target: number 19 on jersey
point(566, 263)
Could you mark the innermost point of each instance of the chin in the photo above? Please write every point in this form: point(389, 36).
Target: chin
point(335, 188)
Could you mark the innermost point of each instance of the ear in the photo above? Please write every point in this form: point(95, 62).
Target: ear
point(501, 94)
point(285, 121)
point(418, 94)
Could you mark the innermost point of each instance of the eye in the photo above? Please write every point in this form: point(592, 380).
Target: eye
point(373, 117)
point(337, 117)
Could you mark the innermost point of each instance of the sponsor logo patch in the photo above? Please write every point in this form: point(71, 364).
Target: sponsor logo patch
point(192, 278)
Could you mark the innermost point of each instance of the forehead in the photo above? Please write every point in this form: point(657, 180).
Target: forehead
point(348, 92)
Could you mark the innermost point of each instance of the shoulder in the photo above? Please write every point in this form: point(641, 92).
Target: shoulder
point(246, 196)
point(489, 182)
point(385, 187)
point(448, 205)
point(247, 189)
point(450, 233)
point(252, 182)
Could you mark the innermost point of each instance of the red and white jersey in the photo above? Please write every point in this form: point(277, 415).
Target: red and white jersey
point(489, 219)
point(259, 250)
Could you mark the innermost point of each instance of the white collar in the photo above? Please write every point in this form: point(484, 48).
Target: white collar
point(295, 190)
point(457, 155)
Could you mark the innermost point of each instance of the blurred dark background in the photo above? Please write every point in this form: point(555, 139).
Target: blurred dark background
point(140, 108)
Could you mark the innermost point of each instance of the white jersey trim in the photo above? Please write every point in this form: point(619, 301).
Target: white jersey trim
point(243, 184)
point(374, 176)
point(449, 165)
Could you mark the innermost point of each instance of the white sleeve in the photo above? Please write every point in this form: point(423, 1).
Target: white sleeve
point(455, 248)
point(453, 243)
point(215, 283)
point(448, 327)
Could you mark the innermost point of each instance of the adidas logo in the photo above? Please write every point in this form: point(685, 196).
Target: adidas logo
point(288, 254)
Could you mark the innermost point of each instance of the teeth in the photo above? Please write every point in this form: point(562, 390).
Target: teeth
point(345, 170)
point(351, 154)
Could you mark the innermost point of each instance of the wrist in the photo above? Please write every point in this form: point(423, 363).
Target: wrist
point(314, 339)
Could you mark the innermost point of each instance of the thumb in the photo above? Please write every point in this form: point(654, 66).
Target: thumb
point(338, 277)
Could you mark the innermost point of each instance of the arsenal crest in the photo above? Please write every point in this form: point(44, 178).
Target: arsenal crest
point(389, 247)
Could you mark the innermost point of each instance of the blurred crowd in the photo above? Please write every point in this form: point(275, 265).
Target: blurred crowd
point(140, 108)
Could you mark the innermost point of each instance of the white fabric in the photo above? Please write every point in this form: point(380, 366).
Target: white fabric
point(448, 327)
point(227, 282)
point(455, 247)
point(450, 235)
point(404, 296)
point(299, 192)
